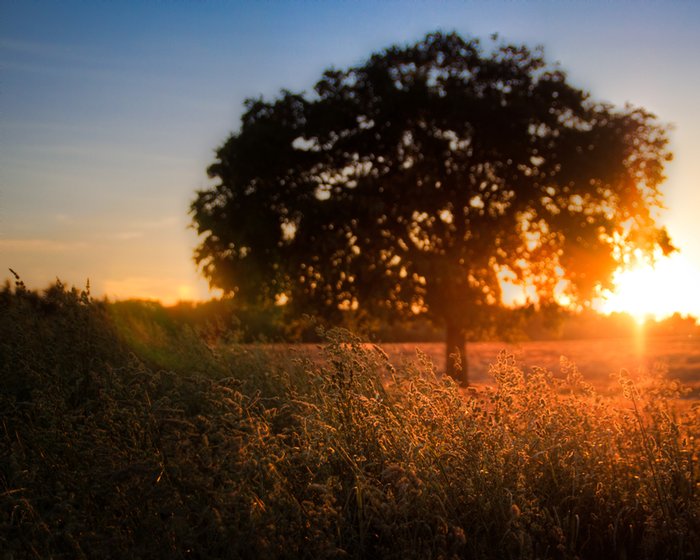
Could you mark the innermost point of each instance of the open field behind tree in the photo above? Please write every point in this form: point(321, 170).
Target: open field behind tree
point(599, 360)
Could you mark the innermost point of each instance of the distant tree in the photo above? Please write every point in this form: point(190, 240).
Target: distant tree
point(411, 183)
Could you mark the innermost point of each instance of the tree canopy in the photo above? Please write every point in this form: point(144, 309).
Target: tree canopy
point(413, 182)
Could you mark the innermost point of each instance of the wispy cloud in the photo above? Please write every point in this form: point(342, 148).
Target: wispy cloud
point(137, 230)
point(39, 49)
point(64, 219)
point(163, 222)
point(127, 235)
point(49, 58)
point(53, 53)
point(41, 245)
point(97, 150)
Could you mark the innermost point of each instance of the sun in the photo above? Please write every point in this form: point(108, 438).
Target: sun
point(658, 291)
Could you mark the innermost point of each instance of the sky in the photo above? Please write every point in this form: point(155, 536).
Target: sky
point(110, 112)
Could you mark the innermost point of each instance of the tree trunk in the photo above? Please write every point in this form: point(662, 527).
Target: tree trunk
point(456, 364)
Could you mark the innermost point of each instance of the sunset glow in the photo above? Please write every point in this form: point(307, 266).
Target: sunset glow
point(167, 290)
point(656, 291)
point(107, 134)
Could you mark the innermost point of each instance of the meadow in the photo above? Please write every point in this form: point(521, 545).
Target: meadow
point(598, 359)
point(127, 434)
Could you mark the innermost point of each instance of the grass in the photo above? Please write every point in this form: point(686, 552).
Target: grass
point(124, 435)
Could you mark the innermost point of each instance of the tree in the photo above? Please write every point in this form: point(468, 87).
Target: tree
point(412, 183)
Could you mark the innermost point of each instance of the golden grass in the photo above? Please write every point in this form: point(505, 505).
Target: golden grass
point(282, 455)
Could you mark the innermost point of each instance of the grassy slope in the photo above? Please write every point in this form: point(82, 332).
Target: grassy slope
point(126, 436)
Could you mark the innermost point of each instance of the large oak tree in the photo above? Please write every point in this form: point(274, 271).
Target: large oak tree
point(411, 183)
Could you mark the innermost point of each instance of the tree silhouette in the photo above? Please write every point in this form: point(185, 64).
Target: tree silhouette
point(411, 183)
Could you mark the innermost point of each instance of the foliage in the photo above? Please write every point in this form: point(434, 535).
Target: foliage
point(409, 184)
point(342, 456)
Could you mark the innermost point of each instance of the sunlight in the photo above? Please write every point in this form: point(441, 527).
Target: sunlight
point(185, 292)
point(514, 294)
point(167, 290)
point(659, 291)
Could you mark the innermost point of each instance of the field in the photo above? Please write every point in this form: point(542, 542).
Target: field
point(125, 435)
point(598, 360)
point(595, 358)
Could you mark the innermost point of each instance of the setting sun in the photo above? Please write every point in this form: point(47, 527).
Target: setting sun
point(658, 291)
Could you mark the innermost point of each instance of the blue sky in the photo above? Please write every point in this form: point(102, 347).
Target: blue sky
point(110, 112)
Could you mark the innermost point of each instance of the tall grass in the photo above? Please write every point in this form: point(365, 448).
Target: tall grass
point(106, 453)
